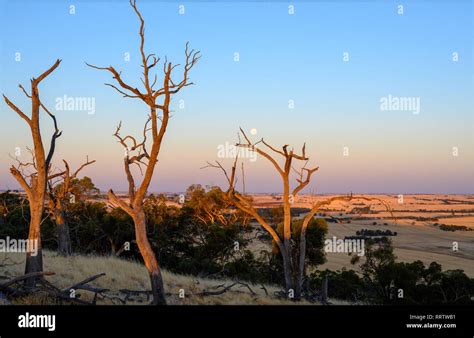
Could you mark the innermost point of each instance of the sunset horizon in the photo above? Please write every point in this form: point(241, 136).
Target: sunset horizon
point(392, 132)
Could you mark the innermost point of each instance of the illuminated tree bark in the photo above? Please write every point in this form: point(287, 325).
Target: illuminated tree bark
point(136, 153)
point(32, 176)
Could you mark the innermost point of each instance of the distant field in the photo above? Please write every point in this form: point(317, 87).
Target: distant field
point(417, 226)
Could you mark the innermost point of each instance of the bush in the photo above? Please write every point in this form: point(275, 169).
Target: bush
point(446, 227)
point(344, 284)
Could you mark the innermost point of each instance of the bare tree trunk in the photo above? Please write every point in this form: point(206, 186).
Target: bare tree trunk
point(34, 256)
point(33, 264)
point(149, 259)
point(34, 261)
point(62, 228)
point(35, 189)
point(287, 272)
point(288, 267)
point(324, 290)
point(113, 249)
point(298, 283)
point(301, 263)
point(157, 288)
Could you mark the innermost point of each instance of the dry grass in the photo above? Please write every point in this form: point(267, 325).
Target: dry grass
point(126, 274)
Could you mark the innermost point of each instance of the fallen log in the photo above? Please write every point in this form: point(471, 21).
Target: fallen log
point(128, 293)
point(50, 289)
point(219, 292)
point(227, 288)
point(85, 281)
point(28, 275)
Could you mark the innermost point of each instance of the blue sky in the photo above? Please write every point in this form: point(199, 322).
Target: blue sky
point(282, 57)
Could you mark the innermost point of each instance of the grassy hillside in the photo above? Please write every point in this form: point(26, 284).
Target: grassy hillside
point(132, 275)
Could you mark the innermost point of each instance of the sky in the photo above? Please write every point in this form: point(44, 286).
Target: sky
point(317, 75)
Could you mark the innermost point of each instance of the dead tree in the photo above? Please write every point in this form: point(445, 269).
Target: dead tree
point(60, 188)
point(34, 182)
point(137, 152)
point(293, 251)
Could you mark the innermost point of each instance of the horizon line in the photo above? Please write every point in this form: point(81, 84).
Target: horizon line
point(101, 192)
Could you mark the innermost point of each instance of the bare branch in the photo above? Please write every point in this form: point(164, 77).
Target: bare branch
point(85, 164)
point(24, 91)
point(117, 77)
point(303, 183)
point(119, 203)
point(251, 146)
point(36, 81)
point(21, 180)
point(17, 110)
point(57, 133)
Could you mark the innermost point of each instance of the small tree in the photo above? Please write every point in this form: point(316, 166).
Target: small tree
point(293, 251)
point(33, 176)
point(377, 266)
point(83, 188)
point(211, 207)
point(136, 152)
point(59, 193)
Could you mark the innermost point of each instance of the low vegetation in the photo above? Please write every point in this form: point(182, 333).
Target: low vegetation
point(383, 280)
point(375, 233)
point(446, 227)
point(210, 256)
